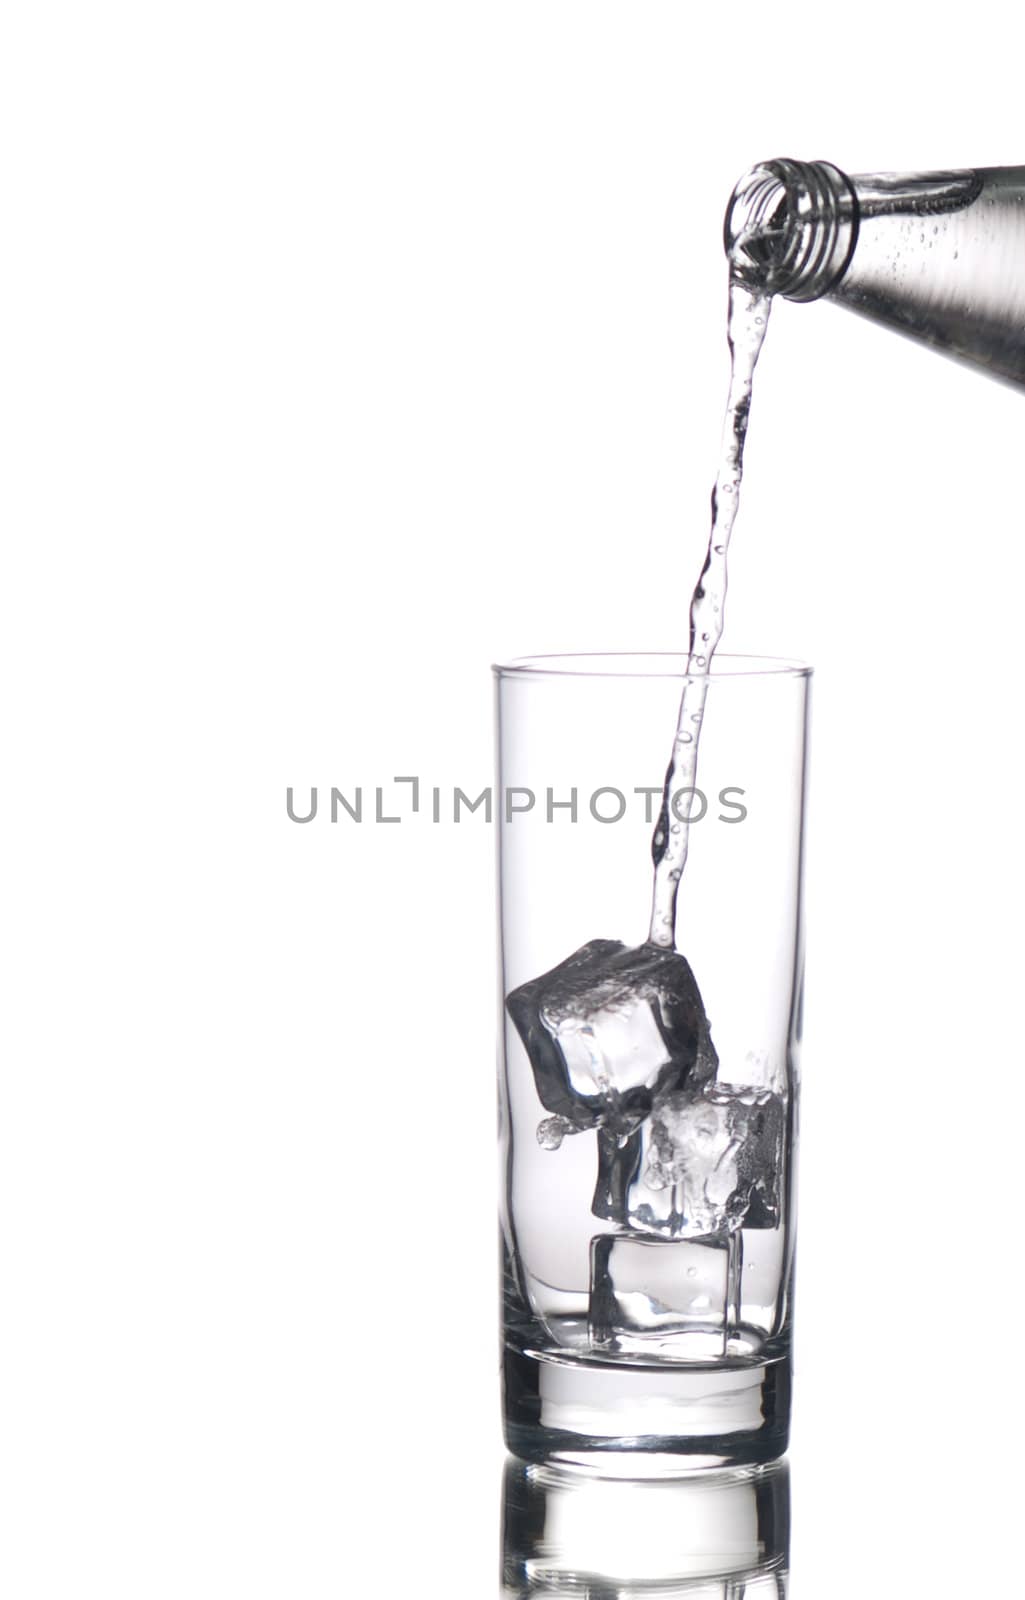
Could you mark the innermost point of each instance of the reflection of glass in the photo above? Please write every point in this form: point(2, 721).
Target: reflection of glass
point(649, 1093)
point(706, 1536)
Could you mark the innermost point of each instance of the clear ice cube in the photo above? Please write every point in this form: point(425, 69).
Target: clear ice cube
point(710, 1162)
point(609, 1032)
point(646, 1291)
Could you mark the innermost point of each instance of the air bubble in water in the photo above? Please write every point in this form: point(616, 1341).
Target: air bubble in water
point(551, 1132)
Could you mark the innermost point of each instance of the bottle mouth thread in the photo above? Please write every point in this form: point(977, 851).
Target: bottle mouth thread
point(791, 227)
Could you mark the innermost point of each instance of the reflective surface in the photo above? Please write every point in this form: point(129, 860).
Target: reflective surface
point(708, 1536)
point(890, 1518)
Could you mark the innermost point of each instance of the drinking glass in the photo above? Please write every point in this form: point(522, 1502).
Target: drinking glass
point(648, 1096)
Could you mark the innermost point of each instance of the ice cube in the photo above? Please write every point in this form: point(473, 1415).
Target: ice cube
point(607, 1031)
point(710, 1162)
point(648, 1292)
point(610, 1027)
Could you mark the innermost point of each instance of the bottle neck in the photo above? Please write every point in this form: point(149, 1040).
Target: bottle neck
point(791, 227)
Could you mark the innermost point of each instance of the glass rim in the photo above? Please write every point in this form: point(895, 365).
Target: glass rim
point(647, 664)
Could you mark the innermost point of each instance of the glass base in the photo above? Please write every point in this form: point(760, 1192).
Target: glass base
point(643, 1419)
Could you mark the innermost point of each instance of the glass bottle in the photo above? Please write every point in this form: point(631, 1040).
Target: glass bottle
point(938, 256)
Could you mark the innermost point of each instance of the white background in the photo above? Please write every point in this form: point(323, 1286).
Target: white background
point(347, 348)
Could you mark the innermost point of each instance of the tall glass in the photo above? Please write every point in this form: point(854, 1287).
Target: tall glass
point(648, 1096)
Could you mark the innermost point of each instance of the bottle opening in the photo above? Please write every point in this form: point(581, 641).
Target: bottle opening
point(756, 227)
point(791, 228)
